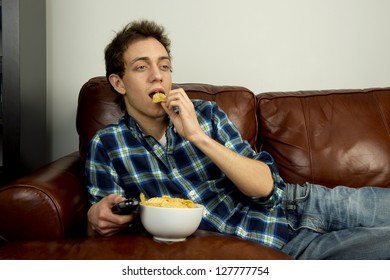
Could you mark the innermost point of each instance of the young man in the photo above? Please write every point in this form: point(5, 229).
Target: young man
point(190, 149)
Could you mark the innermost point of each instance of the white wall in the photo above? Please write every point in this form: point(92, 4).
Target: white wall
point(261, 44)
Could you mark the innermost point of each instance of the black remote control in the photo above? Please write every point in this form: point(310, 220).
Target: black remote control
point(125, 207)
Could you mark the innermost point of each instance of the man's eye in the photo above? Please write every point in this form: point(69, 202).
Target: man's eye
point(140, 67)
point(166, 67)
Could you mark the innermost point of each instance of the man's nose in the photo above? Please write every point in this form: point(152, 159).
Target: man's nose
point(156, 73)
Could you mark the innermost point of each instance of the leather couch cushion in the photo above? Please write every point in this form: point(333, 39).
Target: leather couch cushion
point(97, 107)
point(200, 246)
point(329, 137)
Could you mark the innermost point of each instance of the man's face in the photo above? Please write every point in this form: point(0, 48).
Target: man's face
point(147, 70)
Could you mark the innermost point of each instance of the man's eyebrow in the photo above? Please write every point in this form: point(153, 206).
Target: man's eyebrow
point(164, 58)
point(146, 58)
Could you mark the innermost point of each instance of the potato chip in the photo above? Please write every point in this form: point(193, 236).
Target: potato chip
point(167, 202)
point(159, 97)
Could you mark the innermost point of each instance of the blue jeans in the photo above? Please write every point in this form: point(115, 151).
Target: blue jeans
point(340, 223)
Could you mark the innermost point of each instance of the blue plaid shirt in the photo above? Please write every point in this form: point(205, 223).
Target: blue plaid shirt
point(125, 161)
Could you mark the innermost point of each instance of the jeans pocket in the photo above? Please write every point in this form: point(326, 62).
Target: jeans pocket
point(302, 211)
point(295, 195)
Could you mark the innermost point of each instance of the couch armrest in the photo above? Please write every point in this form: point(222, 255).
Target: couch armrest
point(49, 203)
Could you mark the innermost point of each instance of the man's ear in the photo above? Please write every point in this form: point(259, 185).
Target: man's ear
point(117, 83)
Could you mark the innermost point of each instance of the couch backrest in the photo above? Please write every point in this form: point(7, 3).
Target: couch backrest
point(329, 137)
point(97, 107)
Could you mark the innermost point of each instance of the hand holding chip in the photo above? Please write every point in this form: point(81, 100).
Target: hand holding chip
point(181, 111)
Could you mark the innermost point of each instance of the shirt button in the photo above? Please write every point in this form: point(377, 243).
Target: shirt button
point(155, 147)
point(191, 193)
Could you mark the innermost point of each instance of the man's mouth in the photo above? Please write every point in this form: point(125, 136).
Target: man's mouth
point(156, 91)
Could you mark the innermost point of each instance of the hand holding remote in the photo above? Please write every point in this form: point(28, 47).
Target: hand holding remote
point(125, 207)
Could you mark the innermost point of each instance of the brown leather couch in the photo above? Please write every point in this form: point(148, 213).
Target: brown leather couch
point(333, 138)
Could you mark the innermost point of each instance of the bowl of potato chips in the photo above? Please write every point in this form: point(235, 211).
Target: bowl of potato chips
point(170, 219)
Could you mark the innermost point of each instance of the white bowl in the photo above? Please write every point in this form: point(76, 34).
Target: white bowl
point(171, 224)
